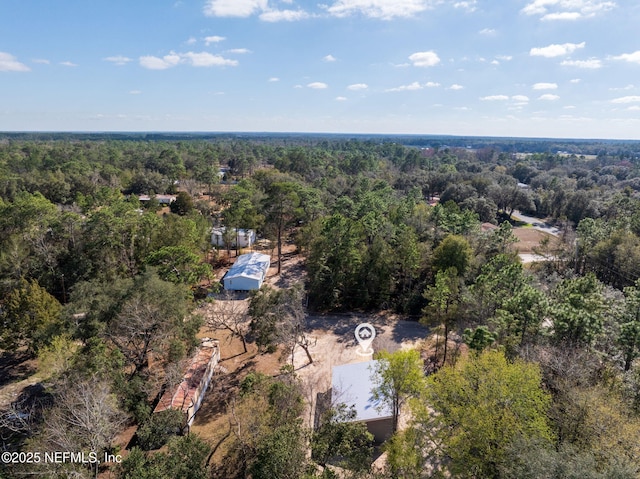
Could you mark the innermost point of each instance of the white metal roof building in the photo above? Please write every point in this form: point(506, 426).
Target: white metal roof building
point(162, 199)
point(352, 385)
point(247, 273)
point(243, 238)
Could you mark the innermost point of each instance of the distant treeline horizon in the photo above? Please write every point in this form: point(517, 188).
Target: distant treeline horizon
point(576, 146)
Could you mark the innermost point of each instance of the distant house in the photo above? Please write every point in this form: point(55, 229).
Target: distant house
point(242, 238)
point(162, 199)
point(433, 200)
point(188, 395)
point(352, 385)
point(247, 273)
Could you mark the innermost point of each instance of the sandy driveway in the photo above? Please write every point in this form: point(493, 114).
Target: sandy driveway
point(333, 344)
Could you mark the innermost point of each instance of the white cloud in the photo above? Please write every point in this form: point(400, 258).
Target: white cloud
point(432, 84)
point(239, 51)
point(341, 98)
point(455, 86)
point(283, 15)
point(317, 85)
point(118, 60)
point(545, 86)
point(41, 61)
point(575, 80)
point(156, 63)
point(520, 98)
point(567, 9)
point(487, 31)
point(201, 59)
point(273, 79)
point(411, 87)
point(213, 39)
point(634, 108)
point(383, 9)
point(468, 5)
point(329, 58)
point(9, 63)
point(494, 98)
point(233, 8)
point(205, 59)
point(627, 99)
point(548, 97)
point(506, 58)
point(246, 8)
point(192, 41)
point(424, 59)
point(135, 92)
point(358, 86)
point(629, 57)
point(592, 63)
point(628, 87)
point(556, 50)
point(68, 64)
point(562, 16)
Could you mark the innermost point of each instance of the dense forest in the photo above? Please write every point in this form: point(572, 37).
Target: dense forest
point(535, 373)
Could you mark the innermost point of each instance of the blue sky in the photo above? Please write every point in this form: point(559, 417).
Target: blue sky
point(552, 68)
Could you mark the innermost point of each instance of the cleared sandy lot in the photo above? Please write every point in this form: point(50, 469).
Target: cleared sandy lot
point(334, 344)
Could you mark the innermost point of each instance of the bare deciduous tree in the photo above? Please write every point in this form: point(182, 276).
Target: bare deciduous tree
point(230, 314)
point(278, 317)
point(191, 186)
point(84, 419)
point(17, 419)
point(141, 328)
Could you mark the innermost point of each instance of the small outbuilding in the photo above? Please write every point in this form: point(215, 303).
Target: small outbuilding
point(161, 199)
point(352, 384)
point(240, 238)
point(247, 273)
point(188, 395)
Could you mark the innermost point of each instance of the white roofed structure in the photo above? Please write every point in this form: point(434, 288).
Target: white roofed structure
point(162, 199)
point(241, 238)
point(247, 273)
point(352, 384)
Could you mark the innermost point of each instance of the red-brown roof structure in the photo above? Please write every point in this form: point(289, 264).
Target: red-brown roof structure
point(188, 395)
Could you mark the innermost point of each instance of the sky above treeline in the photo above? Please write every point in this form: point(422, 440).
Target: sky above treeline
point(534, 68)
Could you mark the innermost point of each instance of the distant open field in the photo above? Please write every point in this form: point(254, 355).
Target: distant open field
point(529, 239)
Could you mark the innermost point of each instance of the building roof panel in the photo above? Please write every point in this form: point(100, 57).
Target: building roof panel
point(353, 384)
point(251, 265)
point(184, 395)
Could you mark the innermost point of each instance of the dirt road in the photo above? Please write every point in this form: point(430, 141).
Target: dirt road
point(536, 223)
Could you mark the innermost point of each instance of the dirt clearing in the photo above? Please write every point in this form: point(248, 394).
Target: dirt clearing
point(529, 239)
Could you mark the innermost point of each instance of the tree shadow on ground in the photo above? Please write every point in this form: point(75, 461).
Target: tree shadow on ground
point(15, 366)
point(223, 387)
point(343, 327)
point(409, 330)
